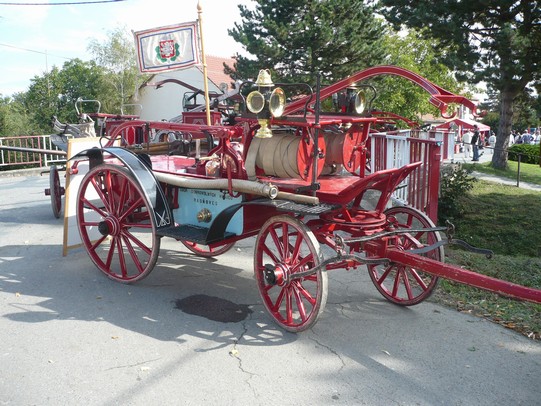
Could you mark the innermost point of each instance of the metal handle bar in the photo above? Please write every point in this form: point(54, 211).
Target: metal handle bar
point(338, 258)
point(80, 102)
point(140, 106)
point(488, 253)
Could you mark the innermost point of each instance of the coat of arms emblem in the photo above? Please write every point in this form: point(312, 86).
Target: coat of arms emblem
point(167, 49)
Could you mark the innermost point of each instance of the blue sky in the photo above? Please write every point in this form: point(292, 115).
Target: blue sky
point(35, 38)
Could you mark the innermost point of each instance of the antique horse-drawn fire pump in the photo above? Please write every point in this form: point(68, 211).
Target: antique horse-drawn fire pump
point(290, 174)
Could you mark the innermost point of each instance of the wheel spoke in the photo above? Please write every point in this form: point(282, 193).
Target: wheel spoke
point(407, 285)
point(301, 263)
point(285, 243)
point(121, 257)
point(143, 226)
point(136, 205)
point(289, 307)
point(97, 243)
point(133, 254)
point(110, 254)
point(271, 254)
point(385, 274)
point(277, 242)
point(300, 304)
point(297, 248)
point(129, 236)
point(109, 188)
point(101, 195)
point(409, 242)
point(306, 294)
point(123, 196)
point(279, 300)
point(396, 284)
point(90, 205)
point(418, 278)
point(311, 278)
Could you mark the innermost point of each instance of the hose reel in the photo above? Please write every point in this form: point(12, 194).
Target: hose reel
point(284, 156)
point(290, 156)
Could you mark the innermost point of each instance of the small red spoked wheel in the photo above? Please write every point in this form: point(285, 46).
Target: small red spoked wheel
point(206, 250)
point(283, 247)
point(117, 224)
point(402, 284)
point(56, 191)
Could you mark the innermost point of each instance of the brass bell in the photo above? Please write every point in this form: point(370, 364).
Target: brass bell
point(264, 78)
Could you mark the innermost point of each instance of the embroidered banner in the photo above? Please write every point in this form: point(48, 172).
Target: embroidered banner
point(167, 48)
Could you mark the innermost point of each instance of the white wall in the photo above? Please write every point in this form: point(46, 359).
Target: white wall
point(166, 102)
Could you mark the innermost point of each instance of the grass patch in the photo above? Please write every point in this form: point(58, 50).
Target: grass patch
point(503, 219)
point(529, 173)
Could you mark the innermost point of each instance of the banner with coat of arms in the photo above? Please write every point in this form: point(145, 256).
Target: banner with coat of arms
point(167, 48)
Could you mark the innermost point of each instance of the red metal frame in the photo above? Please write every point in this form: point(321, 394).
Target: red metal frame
point(440, 97)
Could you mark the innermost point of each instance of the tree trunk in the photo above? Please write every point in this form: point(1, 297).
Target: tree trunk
point(499, 159)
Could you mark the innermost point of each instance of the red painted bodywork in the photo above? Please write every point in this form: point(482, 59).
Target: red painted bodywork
point(344, 192)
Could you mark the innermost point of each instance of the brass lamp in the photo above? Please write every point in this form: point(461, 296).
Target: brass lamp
point(359, 102)
point(265, 102)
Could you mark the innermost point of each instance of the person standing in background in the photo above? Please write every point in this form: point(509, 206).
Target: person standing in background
point(492, 142)
point(475, 143)
point(511, 139)
point(537, 137)
point(466, 140)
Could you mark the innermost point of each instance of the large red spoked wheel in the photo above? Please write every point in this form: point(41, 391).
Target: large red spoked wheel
point(402, 284)
point(283, 247)
point(117, 224)
point(206, 250)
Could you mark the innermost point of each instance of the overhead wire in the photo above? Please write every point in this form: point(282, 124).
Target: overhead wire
point(72, 3)
point(33, 50)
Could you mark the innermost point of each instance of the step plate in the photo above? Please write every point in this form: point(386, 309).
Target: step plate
point(289, 206)
point(190, 233)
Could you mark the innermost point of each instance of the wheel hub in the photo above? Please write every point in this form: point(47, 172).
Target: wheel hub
point(109, 226)
point(276, 274)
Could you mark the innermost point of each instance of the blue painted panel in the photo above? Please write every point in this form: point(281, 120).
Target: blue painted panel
point(192, 201)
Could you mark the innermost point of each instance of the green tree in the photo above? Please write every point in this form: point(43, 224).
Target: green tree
point(13, 118)
point(496, 41)
point(298, 39)
point(55, 93)
point(41, 100)
point(492, 118)
point(418, 55)
point(85, 80)
point(117, 56)
point(525, 114)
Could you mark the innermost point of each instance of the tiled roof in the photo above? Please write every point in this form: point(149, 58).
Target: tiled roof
point(215, 69)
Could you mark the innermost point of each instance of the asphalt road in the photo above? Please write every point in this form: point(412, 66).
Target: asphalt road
point(70, 336)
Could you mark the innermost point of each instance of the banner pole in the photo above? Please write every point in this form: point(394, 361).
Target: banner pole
point(204, 60)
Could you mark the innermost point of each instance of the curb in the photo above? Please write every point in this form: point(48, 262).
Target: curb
point(24, 172)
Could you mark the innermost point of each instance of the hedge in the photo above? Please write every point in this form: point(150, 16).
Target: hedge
point(529, 153)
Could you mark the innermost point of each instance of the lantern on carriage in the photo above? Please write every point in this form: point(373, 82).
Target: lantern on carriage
point(266, 102)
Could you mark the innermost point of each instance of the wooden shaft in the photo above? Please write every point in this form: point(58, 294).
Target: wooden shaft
point(464, 276)
point(204, 61)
